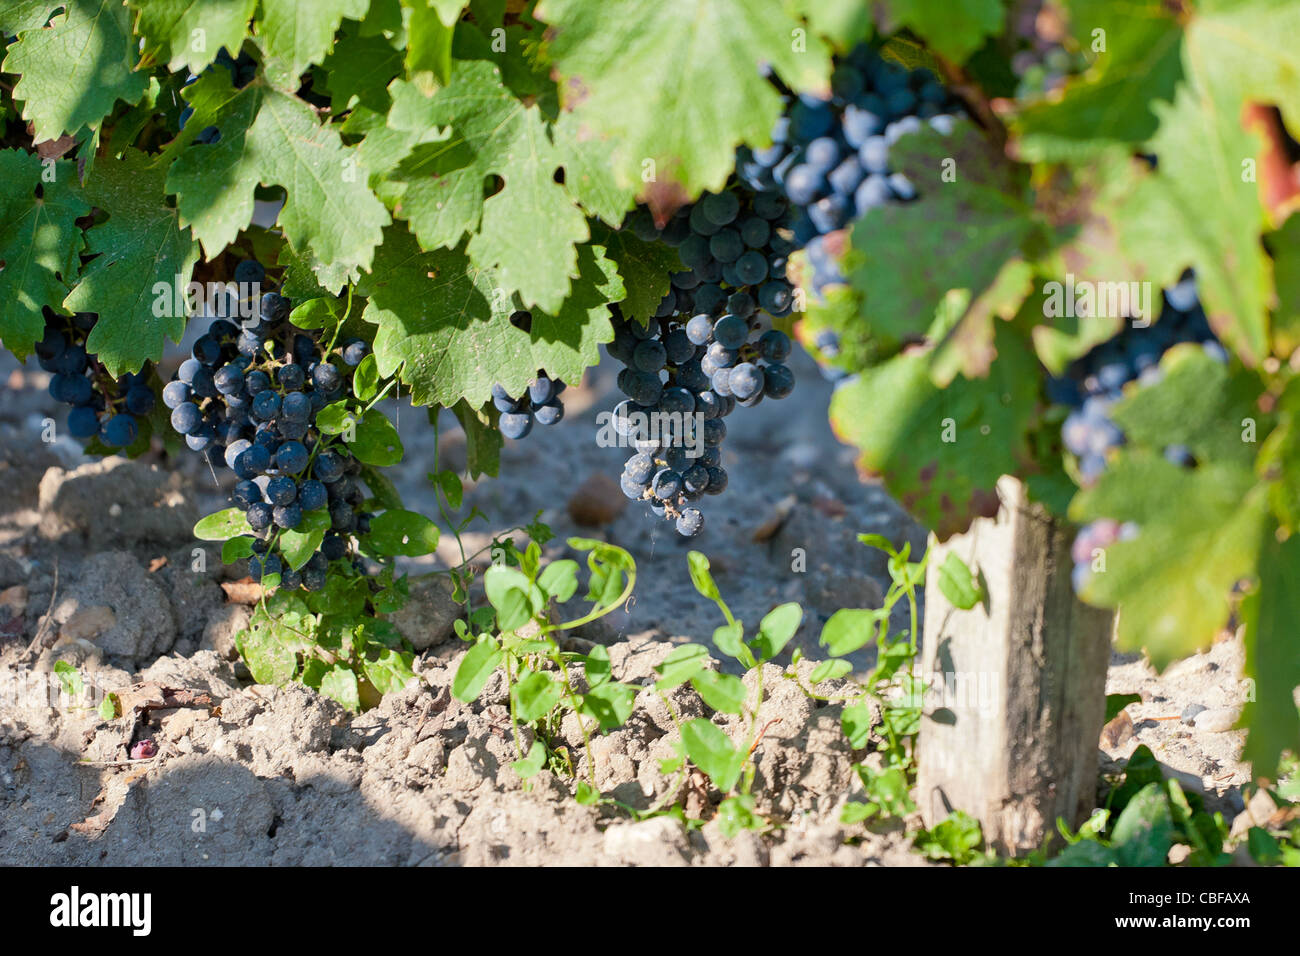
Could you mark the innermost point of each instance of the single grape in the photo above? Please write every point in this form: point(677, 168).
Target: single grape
point(288, 516)
point(690, 523)
point(516, 425)
point(549, 414)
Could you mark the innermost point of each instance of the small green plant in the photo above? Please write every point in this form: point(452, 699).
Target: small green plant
point(333, 640)
point(956, 838)
point(1144, 817)
point(515, 633)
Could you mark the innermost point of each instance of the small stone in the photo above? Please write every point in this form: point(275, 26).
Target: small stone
point(1217, 721)
point(88, 623)
point(1118, 732)
point(223, 627)
point(143, 750)
point(597, 501)
point(1190, 712)
point(659, 841)
point(429, 614)
point(14, 599)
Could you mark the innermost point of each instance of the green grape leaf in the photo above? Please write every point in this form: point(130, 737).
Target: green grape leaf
point(407, 533)
point(74, 70)
point(297, 546)
point(1145, 830)
point(190, 33)
point(143, 257)
point(588, 174)
point(941, 451)
point(529, 230)
point(1238, 45)
point(382, 489)
point(376, 441)
point(390, 671)
point(1269, 613)
point(1198, 535)
point(235, 548)
point(272, 138)
point(340, 683)
point(1200, 209)
point(269, 648)
point(358, 71)
point(41, 243)
point(483, 440)
point(1284, 244)
point(429, 32)
point(955, 28)
point(1209, 406)
point(222, 525)
point(1112, 102)
point(691, 70)
point(446, 325)
point(645, 267)
point(301, 32)
point(972, 223)
point(845, 23)
point(20, 15)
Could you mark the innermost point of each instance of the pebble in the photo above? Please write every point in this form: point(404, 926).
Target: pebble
point(1217, 721)
point(143, 750)
point(14, 599)
point(597, 501)
point(1190, 712)
point(88, 623)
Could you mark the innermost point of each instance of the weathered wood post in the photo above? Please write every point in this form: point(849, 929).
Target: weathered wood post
point(1017, 697)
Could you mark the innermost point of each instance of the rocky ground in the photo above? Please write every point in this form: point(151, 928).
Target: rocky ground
point(98, 569)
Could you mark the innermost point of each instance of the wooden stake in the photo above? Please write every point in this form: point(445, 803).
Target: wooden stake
point(1016, 685)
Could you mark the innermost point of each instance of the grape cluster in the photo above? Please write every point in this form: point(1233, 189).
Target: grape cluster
point(111, 409)
point(248, 397)
point(830, 157)
point(733, 250)
point(1095, 382)
point(683, 376)
point(541, 402)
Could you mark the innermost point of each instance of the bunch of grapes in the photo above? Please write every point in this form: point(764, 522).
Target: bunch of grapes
point(1095, 382)
point(694, 361)
point(248, 397)
point(734, 253)
point(682, 378)
point(540, 402)
point(111, 409)
point(830, 157)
